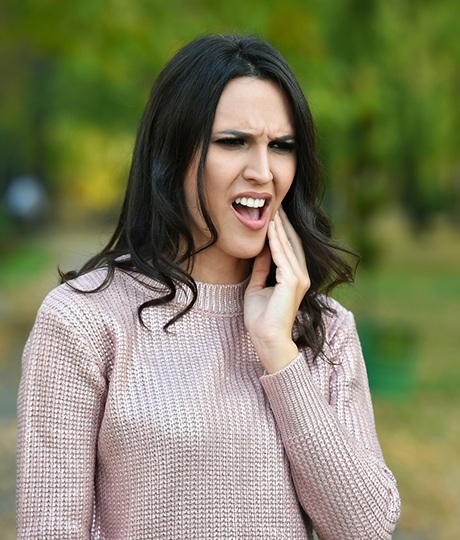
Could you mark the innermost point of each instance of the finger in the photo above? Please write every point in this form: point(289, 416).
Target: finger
point(293, 237)
point(260, 270)
point(282, 254)
point(292, 253)
point(290, 231)
point(286, 260)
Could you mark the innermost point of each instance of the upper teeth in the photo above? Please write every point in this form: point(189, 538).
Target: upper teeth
point(249, 201)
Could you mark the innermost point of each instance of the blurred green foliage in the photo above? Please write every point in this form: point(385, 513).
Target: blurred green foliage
point(381, 75)
point(391, 354)
point(21, 263)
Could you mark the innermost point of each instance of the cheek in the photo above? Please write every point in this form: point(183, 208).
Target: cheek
point(286, 171)
point(216, 181)
point(287, 182)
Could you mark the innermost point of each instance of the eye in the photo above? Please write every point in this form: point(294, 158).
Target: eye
point(231, 142)
point(283, 146)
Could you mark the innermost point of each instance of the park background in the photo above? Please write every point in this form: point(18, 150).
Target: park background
point(383, 80)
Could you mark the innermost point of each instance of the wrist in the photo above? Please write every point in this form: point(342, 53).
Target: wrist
point(276, 357)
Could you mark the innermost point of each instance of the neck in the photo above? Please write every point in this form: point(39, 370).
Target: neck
point(209, 269)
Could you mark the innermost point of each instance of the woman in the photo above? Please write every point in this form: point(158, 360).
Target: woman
point(192, 380)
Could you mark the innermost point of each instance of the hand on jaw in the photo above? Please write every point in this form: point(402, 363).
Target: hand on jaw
point(270, 312)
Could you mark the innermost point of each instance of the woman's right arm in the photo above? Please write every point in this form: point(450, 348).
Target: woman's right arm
point(60, 405)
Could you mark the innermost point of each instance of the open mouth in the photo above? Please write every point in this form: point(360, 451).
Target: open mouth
point(249, 208)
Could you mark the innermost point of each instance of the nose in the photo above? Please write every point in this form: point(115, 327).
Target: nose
point(257, 168)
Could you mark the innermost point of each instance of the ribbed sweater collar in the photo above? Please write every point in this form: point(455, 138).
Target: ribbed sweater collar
point(215, 298)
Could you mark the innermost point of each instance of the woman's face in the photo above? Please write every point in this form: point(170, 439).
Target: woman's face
point(249, 168)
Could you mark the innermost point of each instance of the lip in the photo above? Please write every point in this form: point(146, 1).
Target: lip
point(258, 224)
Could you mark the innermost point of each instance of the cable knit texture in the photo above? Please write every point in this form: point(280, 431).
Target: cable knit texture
point(128, 432)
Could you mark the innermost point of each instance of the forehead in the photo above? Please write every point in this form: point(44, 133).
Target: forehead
point(253, 104)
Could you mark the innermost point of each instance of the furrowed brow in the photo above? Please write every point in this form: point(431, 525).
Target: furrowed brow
point(244, 134)
point(234, 133)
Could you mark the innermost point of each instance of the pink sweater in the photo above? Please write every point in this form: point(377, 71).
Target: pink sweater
point(126, 432)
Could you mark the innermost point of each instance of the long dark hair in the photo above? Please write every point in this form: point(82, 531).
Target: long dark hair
point(154, 224)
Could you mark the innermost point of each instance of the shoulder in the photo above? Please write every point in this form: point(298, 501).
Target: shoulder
point(81, 291)
point(342, 345)
point(89, 313)
point(92, 299)
point(338, 320)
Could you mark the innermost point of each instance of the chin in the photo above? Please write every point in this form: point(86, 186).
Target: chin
point(247, 252)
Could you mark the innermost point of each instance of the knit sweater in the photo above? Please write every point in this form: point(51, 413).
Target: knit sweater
point(128, 432)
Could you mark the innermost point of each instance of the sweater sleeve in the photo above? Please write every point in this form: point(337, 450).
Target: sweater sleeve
point(337, 465)
point(60, 404)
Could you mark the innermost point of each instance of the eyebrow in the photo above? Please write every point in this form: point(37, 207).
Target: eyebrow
point(245, 135)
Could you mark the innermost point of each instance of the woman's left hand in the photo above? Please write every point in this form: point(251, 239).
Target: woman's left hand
point(270, 312)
